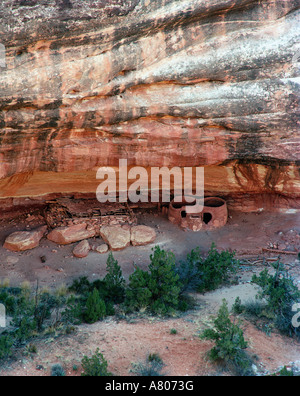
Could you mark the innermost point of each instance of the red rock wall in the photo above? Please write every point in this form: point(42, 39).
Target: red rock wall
point(159, 83)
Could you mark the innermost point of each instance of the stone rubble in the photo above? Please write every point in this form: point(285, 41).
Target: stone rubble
point(68, 235)
point(24, 240)
point(115, 237)
point(82, 249)
point(102, 249)
point(118, 238)
point(142, 235)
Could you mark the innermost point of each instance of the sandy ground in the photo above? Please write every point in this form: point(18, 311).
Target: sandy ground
point(129, 341)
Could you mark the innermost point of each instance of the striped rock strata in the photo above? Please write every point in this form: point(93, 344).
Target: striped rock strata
point(159, 83)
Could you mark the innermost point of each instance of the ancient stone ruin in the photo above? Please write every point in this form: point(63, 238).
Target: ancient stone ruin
point(213, 215)
point(193, 83)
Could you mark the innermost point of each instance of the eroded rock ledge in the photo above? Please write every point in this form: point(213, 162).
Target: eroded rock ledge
point(159, 83)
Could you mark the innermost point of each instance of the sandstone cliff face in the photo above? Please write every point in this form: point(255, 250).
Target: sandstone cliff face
point(157, 82)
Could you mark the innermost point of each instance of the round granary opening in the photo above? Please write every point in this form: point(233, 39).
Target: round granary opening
point(214, 202)
point(207, 217)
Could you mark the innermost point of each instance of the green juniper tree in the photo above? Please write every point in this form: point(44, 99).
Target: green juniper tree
point(158, 289)
point(229, 341)
point(138, 294)
point(164, 282)
point(95, 307)
point(280, 293)
point(114, 281)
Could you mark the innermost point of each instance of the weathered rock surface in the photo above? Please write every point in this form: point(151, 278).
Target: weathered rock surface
point(82, 249)
point(142, 235)
point(68, 235)
point(102, 248)
point(10, 260)
point(117, 237)
point(24, 240)
point(211, 83)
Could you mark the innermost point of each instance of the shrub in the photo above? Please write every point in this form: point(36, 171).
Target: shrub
point(30, 310)
point(280, 294)
point(45, 304)
point(238, 307)
point(151, 368)
point(154, 357)
point(6, 344)
point(138, 294)
point(31, 349)
point(96, 366)
point(229, 342)
point(8, 298)
point(23, 319)
point(216, 268)
point(284, 323)
point(95, 308)
point(111, 289)
point(164, 283)
point(114, 281)
point(207, 274)
point(80, 286)
point(104, 293)
point(284, 372)
point(186, 302)
point(188, 271)
point(57, 371)
point(157, 290)
point(254, 308)
point(73, 312)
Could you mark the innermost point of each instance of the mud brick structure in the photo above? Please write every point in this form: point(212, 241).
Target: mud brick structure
point(213, 215)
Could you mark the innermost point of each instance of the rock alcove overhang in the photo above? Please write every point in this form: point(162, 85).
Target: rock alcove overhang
point(159, 83)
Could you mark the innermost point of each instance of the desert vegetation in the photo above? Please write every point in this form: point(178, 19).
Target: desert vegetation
point(163, 290)
point(273, 307)
point(230, 345)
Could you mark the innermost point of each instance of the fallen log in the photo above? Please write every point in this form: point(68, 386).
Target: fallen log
point(278, 251)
